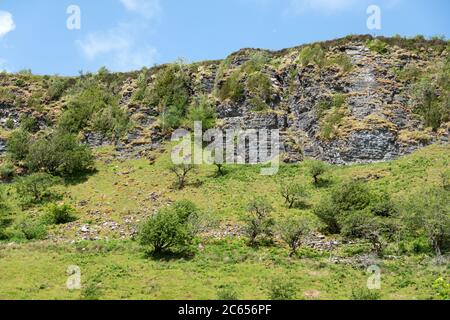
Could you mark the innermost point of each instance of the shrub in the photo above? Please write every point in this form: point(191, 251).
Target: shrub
point(59, 154)
point(59, 214)
point(442, 289)
point(170, 88)
point(428, 213)
point(33, 231)
point(363, 225)
point(169, 229)
point(365, 294)
point(257, 62)
point(9, 124)
point(330, 124)
point(282, 289)
point(57, 86)
point(259, 222)
point(378, 46)
point(18, 145)
point(294, 194)
point(112, 122)
point(347, 197)
point(202, 110)
point(431, 96)
point(232, 88)
point(7, 171)
point(259, 86)
point(337, 101)
point(344, 62)
point(84, 105)
point(312, 55)
point(227, 293)
point(293, 230)
point(36, 188)
point(29, 124)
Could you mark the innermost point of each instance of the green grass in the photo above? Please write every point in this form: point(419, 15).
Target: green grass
point(122, 271)
point(36, 270)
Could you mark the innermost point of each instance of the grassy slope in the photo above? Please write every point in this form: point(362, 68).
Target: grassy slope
point(121, 188)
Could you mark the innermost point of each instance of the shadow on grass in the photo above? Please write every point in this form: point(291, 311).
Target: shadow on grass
point(169, 256)
point(80, 178)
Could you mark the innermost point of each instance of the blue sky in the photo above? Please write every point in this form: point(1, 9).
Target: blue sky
point(128, 34)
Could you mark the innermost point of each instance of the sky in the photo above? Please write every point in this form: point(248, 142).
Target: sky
point(68, 36)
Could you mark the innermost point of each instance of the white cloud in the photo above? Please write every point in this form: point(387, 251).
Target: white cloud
point(118, 48)
point(6, 23)
point(325, 6)
point(149, 9)
point(122, 48)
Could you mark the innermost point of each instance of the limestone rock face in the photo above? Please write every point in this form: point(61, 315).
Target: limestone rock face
point(374, 123)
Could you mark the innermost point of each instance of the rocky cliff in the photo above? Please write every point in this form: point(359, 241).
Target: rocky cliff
point(343, 101)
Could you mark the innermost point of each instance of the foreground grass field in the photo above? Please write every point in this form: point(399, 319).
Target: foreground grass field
point(122, 271)
point(116, 267)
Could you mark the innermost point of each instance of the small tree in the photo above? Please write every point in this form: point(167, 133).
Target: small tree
point(36, 188)
point(259, 222)
point(429, 213)
point(293, 194)
point(317, 169)
point(293, 230)
point(169, 229)
point(181, 172)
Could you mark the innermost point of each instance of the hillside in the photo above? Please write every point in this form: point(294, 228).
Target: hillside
point(86, 169)
point(345, 101)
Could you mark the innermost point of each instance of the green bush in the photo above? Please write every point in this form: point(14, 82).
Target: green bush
point(170, 88)
point(168, 230)
point(18, 145)
point(232, 88)
point(259, 86)
point(259, 223)
point(201, 109)
point(113, 121)
point(59, 154)
point(57, 87)
point(9, 124)
point(365, 294)
point(36, 188)
point(428, 214)
point(312, 55)
point(33, 231)
point(7, 171)
point(344, 62)
point(29, 124)
point(330, 124)
point(227, 293)
point(256, 63)
point(282, 289)
point(83, 106)
point(59, 214)
point(338, 100)
point(348, 197)
point(378, 46)
point(431, 96)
